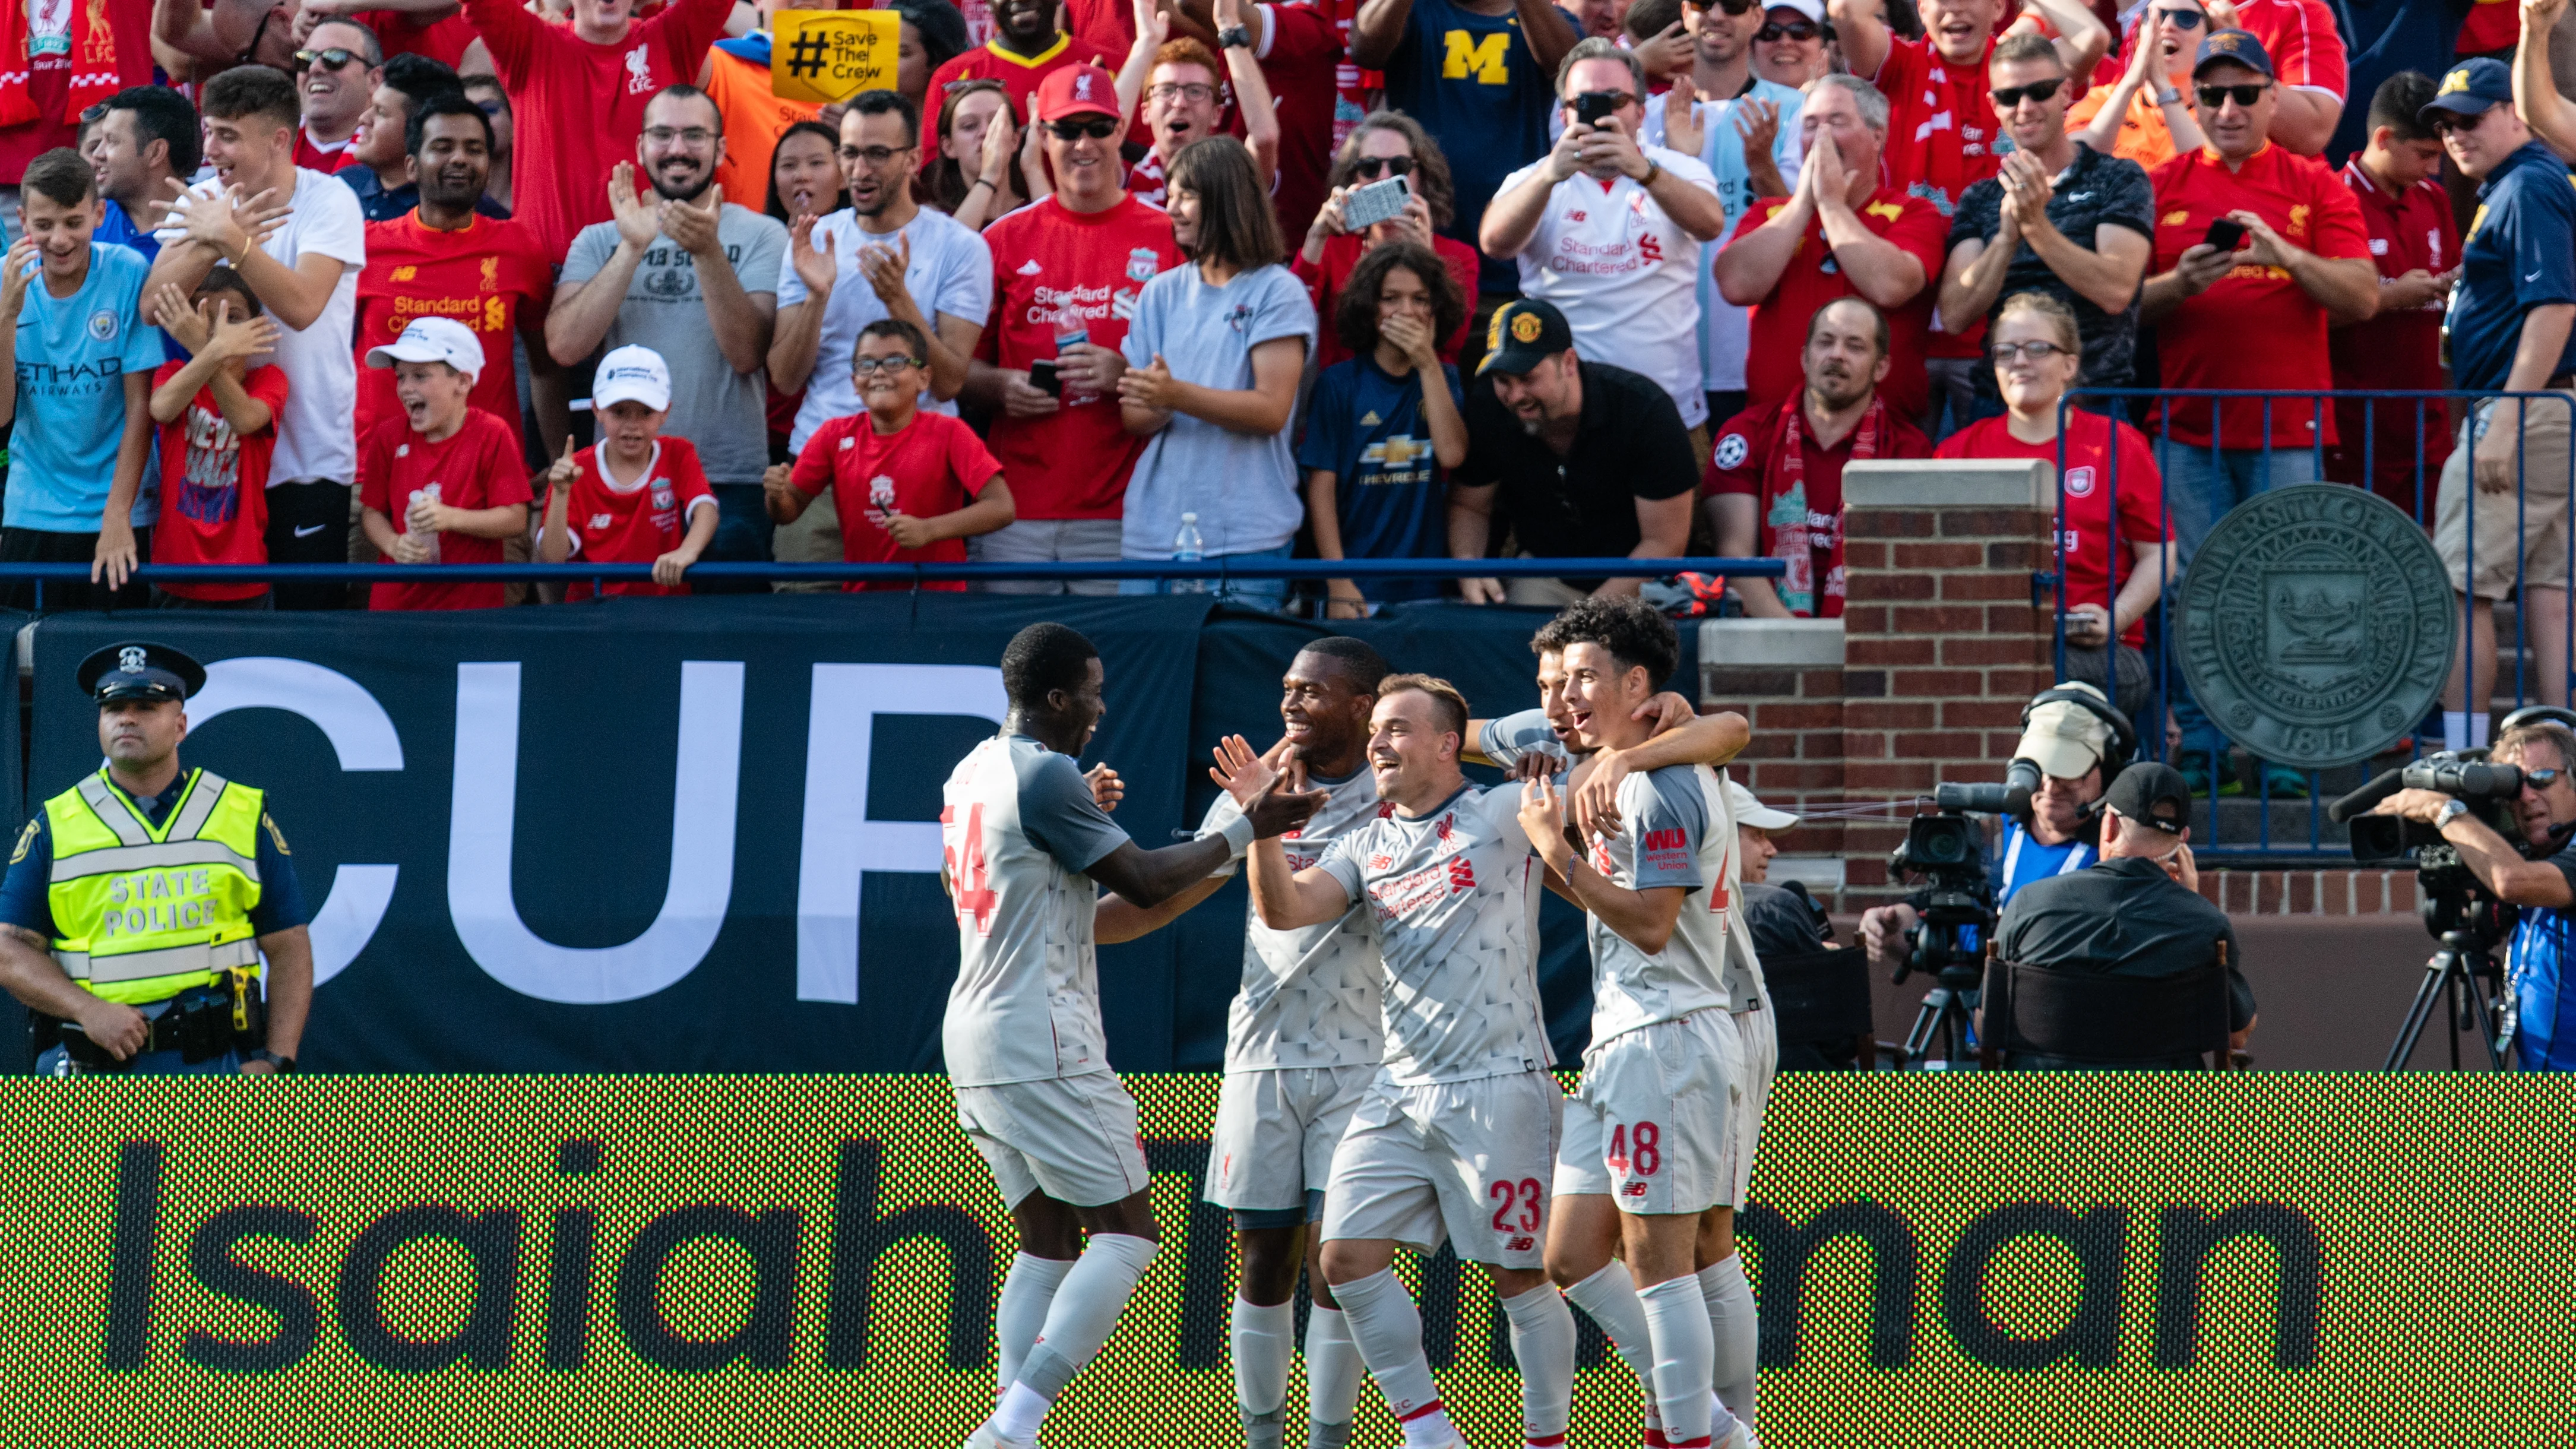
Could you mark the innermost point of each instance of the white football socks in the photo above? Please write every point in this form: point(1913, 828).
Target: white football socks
point(1609, 1298)
point(1735, 1321)
point(1332, 1378)
point(1078, 1322)
point(1388, 1330)
point(1264, 1338)
point(1026, 1291)
point(1677, 1317)
point(1543, 1343)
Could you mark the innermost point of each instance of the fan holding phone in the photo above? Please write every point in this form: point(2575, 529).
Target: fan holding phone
point(2257, 251)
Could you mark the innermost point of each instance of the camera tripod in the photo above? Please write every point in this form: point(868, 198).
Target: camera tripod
point(2462, 979)
point(1947, 1016)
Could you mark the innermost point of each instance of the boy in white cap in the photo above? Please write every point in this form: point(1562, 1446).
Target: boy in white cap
point(636, 496)
point(444, 483)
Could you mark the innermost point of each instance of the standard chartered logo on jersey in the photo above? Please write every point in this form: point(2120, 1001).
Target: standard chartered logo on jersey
point(691, 1260)
point(839, 844)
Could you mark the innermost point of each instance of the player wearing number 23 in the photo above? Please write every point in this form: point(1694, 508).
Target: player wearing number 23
point(138, 905)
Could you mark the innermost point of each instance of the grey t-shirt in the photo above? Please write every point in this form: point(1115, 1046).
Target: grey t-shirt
point(724, 412)
point(1243, 488)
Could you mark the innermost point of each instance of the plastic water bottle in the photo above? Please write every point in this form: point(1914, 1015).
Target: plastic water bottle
point(1189, 548)
point(431, 538)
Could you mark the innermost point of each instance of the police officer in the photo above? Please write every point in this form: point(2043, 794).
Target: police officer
point(2137, 913)
point(2078, 741)
point(137, 905)
point(2537, 873)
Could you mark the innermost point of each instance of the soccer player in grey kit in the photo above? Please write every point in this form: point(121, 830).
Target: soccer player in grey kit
point(1024, 845)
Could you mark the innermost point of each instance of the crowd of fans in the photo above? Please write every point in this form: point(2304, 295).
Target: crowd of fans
point(435, 282)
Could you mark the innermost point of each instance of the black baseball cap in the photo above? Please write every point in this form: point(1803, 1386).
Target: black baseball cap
point(1525, 332)
point(2152, 794)
point(2236, 47)
point(140, 671)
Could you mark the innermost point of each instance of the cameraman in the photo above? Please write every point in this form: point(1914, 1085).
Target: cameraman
point(2054, 836)
point(2138, 913)
point(2538, 873)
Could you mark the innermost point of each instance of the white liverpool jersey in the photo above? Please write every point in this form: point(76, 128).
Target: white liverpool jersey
point(1016, 832)
point(1309, 996)
point(1452, 900)
point(1675, 831)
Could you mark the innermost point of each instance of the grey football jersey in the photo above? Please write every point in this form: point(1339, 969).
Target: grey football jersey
point(1675, 831)
point(1452, 900)
point(1016, 832)
point(1309, 996)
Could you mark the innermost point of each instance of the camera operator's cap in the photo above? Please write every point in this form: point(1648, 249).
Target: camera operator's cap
point(2234, 47)
point(2471, 88)
point(632, 374)
point(1748, 809)
point(2064, 738)
point(433, 339)
point(1526, 331)
point(2152, 794)
point(1076, 90)
point(140, 671)
point(1812, 9)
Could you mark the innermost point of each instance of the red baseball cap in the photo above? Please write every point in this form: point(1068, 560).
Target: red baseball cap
point(1077, 90)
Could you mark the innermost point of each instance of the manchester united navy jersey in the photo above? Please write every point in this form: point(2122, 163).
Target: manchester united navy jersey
point(1451, 897)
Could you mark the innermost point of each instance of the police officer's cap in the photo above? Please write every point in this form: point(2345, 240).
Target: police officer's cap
point(140, 671)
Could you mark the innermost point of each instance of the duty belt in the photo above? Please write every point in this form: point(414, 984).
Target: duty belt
point(166, 961)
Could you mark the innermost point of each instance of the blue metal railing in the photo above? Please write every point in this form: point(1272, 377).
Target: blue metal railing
point(2155, 410)
point(1217, 570)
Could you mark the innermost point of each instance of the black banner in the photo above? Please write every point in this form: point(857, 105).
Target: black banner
point(701, 835)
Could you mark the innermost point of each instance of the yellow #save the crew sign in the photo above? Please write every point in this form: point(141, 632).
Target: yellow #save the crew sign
point(832, 55)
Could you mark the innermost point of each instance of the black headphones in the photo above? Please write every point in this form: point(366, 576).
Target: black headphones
point(2124, 736)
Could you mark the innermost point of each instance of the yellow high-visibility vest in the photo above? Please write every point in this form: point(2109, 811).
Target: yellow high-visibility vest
point(144, 913)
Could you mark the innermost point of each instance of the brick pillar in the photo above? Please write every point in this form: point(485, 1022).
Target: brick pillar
point(1943, 647)
point(1785, 676)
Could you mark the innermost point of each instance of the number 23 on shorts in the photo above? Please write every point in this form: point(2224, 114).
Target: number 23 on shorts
point(1529, 1195)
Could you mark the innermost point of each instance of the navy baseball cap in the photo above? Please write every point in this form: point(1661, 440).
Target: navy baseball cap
point(140, 671)
point(2471, 88)
point(2234, 47)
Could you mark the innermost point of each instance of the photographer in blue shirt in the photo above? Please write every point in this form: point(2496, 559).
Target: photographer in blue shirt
point(2079, 742)
point(2537, 873)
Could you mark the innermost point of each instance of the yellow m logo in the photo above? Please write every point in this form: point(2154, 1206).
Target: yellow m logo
point(1483, 58)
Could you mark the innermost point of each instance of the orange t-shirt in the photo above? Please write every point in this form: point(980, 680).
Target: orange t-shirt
point(2144, 137)
point(754, 119)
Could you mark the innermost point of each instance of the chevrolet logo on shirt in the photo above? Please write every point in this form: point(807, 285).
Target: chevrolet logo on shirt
point(1395, 452)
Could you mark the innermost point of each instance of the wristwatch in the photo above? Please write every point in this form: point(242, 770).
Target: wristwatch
point(2168, 96)
point(2448, 813)
point(283, 1066)
point(1232, 36)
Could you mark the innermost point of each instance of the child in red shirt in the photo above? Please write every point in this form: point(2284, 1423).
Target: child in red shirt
point(910, 486)
point(218, 418)
point(444, 483)
point(596, 517)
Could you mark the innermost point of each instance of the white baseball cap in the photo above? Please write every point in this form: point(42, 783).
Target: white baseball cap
point(1809, 8)
point(2064, 738)
point(632, 374)
point(1749, 810)
point(433, 339)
